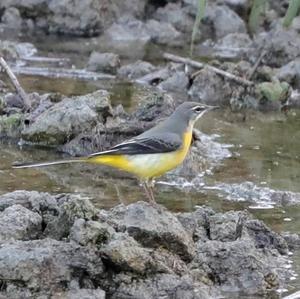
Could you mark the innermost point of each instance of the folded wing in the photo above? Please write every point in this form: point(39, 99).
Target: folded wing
point(161, 143)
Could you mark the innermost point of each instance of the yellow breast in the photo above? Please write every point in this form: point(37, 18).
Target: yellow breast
point(147, 166)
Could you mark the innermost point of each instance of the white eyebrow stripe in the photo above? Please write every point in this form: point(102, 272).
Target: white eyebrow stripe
point(194, 108)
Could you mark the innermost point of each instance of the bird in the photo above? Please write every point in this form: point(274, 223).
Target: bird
point(150, 154)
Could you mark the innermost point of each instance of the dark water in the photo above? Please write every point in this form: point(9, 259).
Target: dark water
point(265, 152)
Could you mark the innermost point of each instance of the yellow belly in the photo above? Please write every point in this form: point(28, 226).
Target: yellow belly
point(147, 166)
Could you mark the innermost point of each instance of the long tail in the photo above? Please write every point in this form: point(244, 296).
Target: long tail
point(42, 164)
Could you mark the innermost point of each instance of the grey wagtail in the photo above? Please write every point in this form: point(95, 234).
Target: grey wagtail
point(152, 153)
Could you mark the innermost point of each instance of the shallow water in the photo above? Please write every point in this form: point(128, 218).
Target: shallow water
point(265, 152)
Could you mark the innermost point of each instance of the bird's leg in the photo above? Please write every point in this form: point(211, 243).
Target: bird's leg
point(151, 189)
point(147, 191)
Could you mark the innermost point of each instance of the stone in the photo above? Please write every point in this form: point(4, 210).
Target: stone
point(290, 73)
point(163, 286)
point(239, 267)
point(89, 232)
point(12, 18)
point(233, 46)
point(68, 118)
point(163, 33)
point(128, 37)
point(71, 209)
point(209, 88)
point(178, 82)
point(80, 294)
point(47, 266)
point(136, 70)
point(281, 45)
point(224, 20)
point(103, 62)
point(19, 223)
point(124, 252)
point(175, 15)
point(153, 228)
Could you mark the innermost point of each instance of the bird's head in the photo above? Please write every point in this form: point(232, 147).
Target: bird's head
point(192, 111)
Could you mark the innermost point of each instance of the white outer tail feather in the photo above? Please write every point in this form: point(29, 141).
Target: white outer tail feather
point(42, 164)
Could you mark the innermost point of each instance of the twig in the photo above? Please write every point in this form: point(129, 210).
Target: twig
point(16, 84)
point(197, 64)
point(53, 72)
point(255, 66)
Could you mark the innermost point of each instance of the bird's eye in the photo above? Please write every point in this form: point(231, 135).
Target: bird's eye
point(198, 109)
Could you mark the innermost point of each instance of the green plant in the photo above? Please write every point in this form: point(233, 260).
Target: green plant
point(199, 17)
point(293, 9)
point(257, 10)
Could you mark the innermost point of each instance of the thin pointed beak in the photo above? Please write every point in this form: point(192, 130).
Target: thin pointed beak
point(213, 107)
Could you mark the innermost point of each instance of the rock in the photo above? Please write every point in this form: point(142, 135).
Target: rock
point(293, 240)
point(66, 119)
point(71, 209)
point(239, 6)
point(80, 294)
point(86, 232)
point(19, 223)
point(47, 266)
point(232, 46)
point(128, 37)
point(224, 21)
point(123, 252)
point(223, 227)
point(163, 286)
point(155, 77)
point(197, 223)
point(13, 100)
point(175, 15)
point(81, 18)
point(281, 45)
point(36, 201)
point(12, 50)
point(163, 33)
point(209, 88)
point(239, 267)
point(178, 82)
point(290, 73)
point(136, 70)
point(12, 18)
point(103, 62)
point(153, 228)
point(264, 237)
point(11, 126)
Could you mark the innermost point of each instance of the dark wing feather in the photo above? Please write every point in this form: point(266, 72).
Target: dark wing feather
point(146, 145)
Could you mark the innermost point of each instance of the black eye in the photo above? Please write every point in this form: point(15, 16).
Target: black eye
point(198, 109)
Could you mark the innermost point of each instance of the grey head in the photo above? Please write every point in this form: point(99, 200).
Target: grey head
point(189, 112)
point(184, 115)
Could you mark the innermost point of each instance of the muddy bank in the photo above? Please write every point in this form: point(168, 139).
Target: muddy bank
point(62, 245)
